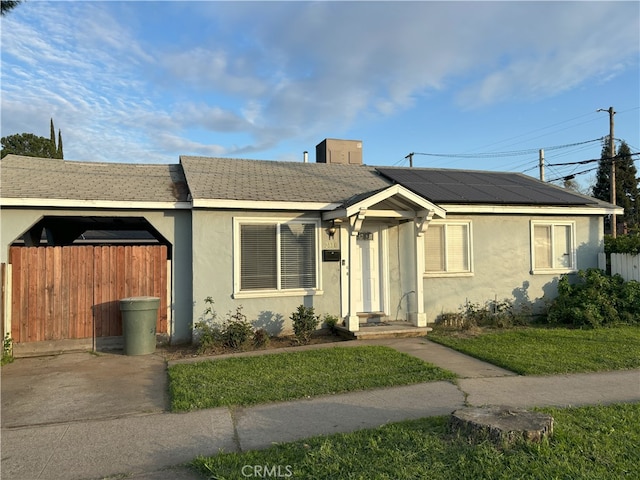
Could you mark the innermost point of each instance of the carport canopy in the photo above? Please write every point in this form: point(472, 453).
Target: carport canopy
point(67, 230)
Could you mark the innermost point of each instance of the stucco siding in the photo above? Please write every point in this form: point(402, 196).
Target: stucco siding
point(501, 250)
point(213, 273)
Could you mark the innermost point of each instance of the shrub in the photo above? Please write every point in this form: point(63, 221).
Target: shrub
point(261, 338)
point(492, 313)
point(595, 299)
point(331, 321)
point(207, 333)
point(622, 244)
point(305, 321)
point(7, 349)
point(236, 330)
point(454, 321)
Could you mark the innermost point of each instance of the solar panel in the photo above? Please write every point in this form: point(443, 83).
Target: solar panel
point(460, 186)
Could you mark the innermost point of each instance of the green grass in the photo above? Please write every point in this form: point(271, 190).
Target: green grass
point(588, 443)
point(543, 351)
point(287, 376)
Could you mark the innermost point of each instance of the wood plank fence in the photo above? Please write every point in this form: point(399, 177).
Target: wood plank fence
point(3, 295)
point(73, 292)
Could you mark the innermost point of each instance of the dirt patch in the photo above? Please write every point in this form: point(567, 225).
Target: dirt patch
point(178, 352)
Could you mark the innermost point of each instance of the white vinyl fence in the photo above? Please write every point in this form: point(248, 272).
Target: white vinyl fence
point(624, 264)
point(628, 266)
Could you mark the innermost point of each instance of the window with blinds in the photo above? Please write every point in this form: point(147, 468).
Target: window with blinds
point(448, 248)
point(552, 246)
point(278, 256)
point(258, 262)
point(297, 255)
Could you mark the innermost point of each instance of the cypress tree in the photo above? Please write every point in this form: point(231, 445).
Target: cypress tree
point(53, 141)
point(53, 134)
point(60, 154)
point(627, 184)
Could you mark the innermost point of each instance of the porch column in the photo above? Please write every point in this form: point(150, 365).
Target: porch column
point(355, 223)
point(419, 317)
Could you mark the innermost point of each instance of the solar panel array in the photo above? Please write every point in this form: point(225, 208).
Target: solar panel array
point(460, 186)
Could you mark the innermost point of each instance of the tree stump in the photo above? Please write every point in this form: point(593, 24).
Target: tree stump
point(501, 425)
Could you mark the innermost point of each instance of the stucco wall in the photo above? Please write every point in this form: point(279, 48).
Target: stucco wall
point(502, 263)
point(213, 273)
point(174, 225)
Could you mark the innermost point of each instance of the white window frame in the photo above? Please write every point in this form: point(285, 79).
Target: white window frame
point(554, 269)
point(277, 292)
point(452, 273)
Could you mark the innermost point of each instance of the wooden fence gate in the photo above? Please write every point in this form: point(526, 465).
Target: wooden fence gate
point(72, 292)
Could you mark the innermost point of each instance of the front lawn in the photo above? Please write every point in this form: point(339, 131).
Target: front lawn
point(544, 351)
point(292, 375)
point(588, 443)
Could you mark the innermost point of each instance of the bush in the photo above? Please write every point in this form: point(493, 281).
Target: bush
point(493, 313)
point(622, 244)
point(595, 300)
point(331, 321)
point(235, 331)
point(261, 338)
point(305, 321)
point(207, 333)
point(7, 349)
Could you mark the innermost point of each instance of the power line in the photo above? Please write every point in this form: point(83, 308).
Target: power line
point(584, 162)
point(606, 161)
point(512, 153)
point(546, 128)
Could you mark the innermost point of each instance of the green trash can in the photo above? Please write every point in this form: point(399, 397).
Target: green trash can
point(139, 315)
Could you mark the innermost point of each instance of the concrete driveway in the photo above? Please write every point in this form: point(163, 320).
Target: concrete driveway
point(82, 386)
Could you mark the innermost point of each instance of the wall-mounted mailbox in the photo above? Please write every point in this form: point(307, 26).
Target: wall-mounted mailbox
point(330, 255)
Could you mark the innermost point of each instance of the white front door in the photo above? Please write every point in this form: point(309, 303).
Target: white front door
point(367, 271)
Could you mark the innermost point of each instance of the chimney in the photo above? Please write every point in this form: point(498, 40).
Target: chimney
point(346, 152)
point(305, 156)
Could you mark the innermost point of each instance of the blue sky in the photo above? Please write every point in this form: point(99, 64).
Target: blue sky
point(149, 81)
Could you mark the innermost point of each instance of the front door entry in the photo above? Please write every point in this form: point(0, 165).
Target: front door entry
point(367, 271)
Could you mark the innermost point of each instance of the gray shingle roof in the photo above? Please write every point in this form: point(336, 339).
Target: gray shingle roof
point(47, 178)
point(266, 181)
point(263, 180)
point(480, 187)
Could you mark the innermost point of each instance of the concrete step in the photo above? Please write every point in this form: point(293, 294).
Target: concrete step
point(373, 330)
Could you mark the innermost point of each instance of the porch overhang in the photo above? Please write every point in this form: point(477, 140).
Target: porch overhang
point(400, 207)
point(394, 202)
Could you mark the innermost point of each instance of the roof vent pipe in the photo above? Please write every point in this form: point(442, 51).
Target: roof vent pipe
point(305, 156)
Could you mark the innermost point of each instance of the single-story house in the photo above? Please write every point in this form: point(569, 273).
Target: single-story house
point(355, 241)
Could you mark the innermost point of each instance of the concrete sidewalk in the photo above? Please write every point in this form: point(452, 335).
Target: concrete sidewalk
point(149, 446)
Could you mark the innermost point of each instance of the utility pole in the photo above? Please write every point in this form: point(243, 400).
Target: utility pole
point(410, 157)
point(541, 164)
point(612, 155)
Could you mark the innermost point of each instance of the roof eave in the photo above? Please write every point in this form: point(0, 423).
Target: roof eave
point(263, 205)
point(533, 209)
point(104, 204)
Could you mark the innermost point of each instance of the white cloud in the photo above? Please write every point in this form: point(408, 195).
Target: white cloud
point(265, 72)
